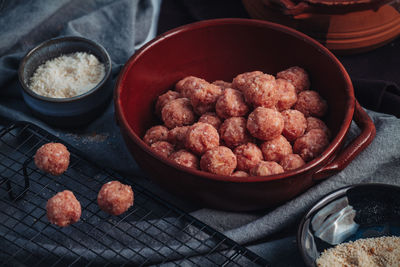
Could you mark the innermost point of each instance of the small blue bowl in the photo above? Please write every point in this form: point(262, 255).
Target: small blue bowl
point(66, 112)
point(348, 214)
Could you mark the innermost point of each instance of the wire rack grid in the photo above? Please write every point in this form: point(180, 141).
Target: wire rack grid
point(152, 232)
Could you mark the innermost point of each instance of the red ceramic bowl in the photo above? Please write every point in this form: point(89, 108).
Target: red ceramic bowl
point(219, 50)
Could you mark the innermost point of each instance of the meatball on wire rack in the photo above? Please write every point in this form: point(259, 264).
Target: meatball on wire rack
point(149, 232)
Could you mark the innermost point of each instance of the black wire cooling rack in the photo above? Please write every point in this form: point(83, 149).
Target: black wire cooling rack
point(152, 232)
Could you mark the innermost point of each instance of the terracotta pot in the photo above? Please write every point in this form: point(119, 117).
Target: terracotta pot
point(342, 26)
point(221, 49)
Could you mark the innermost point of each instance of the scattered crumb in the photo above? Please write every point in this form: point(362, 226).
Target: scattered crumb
point(89, 138)
point(368, 252)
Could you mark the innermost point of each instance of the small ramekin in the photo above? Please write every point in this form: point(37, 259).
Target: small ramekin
point(73, 111)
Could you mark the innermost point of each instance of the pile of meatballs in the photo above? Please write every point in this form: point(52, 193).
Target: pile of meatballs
point(63, 208)
point(256, 125)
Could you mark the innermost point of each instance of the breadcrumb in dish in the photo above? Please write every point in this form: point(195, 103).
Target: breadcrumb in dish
point(366, 252)
point(67, 76)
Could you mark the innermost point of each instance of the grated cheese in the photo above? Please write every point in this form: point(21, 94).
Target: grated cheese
point(67, 76)
point(368, 252)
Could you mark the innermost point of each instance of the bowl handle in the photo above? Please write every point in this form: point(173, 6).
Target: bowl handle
point(344, 157)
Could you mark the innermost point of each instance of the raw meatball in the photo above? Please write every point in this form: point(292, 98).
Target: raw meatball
point(233, 132)
point(297, 76)
point(311, 145)
point(295, 124)
point(291, 162)
point(115, 198)
point(178, 112)
point(315, 123)
point(276, 149)
point(261, 91)
point(231, 104)
point(241, 80)
point(222, 84)
point(265, 124)
point(219, 160)
point(177, 136)
point(52, 158)
point(156, 134)
point(287, 96)
point(310, 103)
point(164, 99)
point(248, 156)
point(201, 137)
point(211, 118)
point(63, 209)
point(240, 174)
point(163, 148)
point(265, 168)
point(185, 158)
point(204, 98)
point(189, 84)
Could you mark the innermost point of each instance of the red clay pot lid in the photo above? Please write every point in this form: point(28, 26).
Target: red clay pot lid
point(296, 7)
point(343, 26)
point(344, 2)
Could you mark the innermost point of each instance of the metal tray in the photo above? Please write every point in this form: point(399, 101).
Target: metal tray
point(152, 232)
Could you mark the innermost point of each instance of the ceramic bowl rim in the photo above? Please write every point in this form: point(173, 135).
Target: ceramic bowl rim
point(326, 199)
point(56, 40)
point(328, 152)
